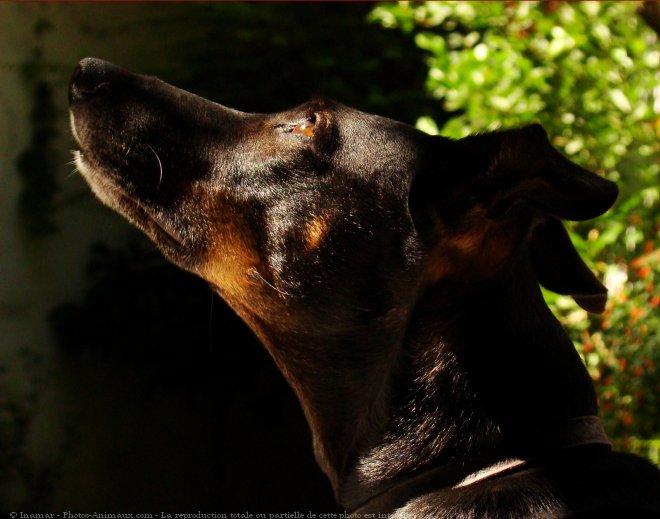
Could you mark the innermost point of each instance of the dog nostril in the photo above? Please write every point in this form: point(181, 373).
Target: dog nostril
point(83, 91)
point(88, 80)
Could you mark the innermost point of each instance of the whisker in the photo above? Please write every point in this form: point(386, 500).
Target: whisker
point(71, 162)
point(71, 173)
point(160, 164)
point(255, 273)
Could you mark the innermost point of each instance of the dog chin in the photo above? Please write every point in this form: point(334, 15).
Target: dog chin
point(148, 220)
point(104, 190)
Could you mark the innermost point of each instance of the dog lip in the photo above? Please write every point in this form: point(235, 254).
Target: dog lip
point(139, 214)
point(147, 217)
point(167, 230)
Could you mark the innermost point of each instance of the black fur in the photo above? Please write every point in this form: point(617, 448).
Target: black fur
point(394, 278)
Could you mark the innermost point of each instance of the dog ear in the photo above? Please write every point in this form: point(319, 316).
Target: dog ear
point(504, 189)
point(555, 188)
point(522, 165)
point(559, 268)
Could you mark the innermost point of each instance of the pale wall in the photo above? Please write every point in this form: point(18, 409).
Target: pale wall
point(37, 274)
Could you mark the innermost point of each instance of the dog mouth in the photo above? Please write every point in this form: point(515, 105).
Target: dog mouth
point(150, 220)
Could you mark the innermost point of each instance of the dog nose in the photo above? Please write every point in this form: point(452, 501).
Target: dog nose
point(91, 78)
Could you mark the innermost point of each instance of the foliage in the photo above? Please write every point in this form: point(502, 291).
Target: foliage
point(589, 72)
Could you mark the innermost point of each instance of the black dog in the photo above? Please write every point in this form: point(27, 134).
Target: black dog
point(393, 277)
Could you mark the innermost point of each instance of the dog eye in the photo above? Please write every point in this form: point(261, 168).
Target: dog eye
point(305, 128)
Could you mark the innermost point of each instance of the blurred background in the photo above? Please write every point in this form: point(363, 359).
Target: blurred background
point(125, 385)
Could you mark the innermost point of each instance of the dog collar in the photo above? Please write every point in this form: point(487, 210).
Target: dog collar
point(575, 432)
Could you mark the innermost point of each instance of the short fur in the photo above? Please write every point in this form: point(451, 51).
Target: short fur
point(394, 278)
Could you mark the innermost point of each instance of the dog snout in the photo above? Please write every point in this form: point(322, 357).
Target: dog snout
point(92, 78)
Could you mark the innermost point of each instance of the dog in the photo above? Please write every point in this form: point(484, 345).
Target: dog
point(393, 277)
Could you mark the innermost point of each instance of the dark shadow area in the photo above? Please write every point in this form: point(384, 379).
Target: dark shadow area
point(163, 336)
point(271, 57)
point(150, 327)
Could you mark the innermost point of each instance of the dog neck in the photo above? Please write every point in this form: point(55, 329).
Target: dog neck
point(470, 374)
point(561, 441)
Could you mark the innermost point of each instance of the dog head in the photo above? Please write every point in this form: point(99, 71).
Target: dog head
point(323, 217)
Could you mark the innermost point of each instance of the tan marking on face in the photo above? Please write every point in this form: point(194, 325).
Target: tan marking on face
point(315, 231)
point(230, 259)
point(228, 270)
point(475, 252)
